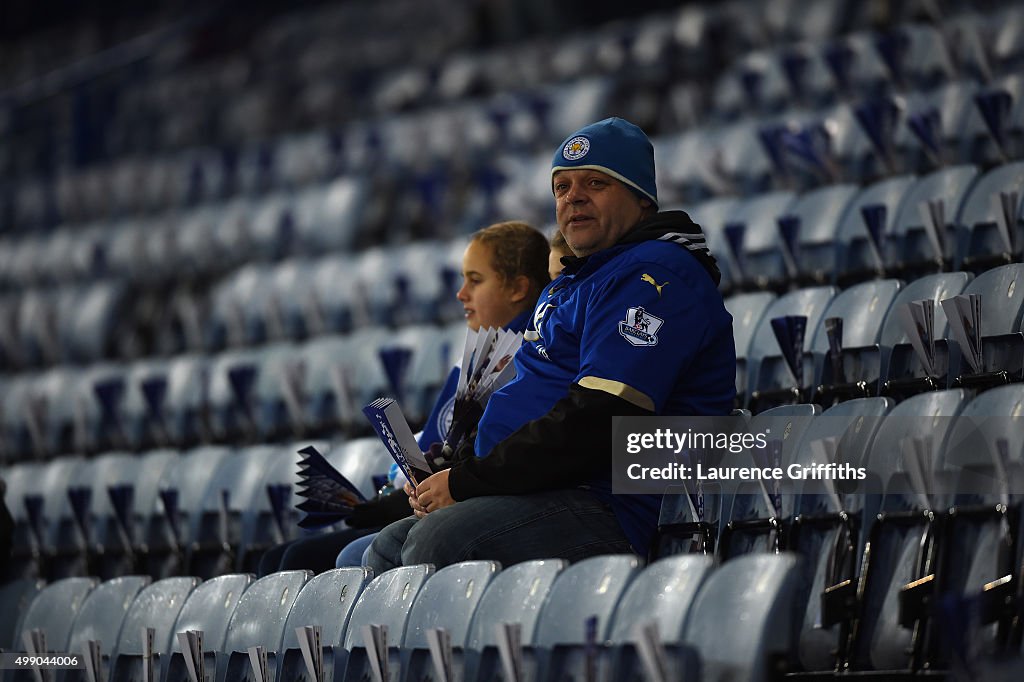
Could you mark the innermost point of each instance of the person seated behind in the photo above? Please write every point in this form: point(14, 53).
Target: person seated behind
point(559, 250)
point(537, 484)
point(504, 271)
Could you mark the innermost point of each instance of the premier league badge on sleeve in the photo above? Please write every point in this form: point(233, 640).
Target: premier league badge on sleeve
point(640, 327)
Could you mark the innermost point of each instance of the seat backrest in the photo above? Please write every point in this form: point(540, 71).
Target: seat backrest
point(742, 615)
point(209, 608)
point(15, 598)
point(327, 600)
point(360, 460)
point(54, 610)
point(261, 613)
point(387, 601)
point(935, 287)
point(1002, 299)
point(948, 185)
point(448, 600)
point(855, 251)
point(979, 216)
point(102, 613)
point(810, 302)
point(747, 311)
point(516, 595)
point(589, 588)
point(156, 606)
point(663, 593)
point(862, 308)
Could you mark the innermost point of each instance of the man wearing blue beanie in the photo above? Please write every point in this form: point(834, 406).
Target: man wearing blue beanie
point(634, 325)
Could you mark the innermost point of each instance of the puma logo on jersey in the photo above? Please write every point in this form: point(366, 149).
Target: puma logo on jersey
point(650, 280)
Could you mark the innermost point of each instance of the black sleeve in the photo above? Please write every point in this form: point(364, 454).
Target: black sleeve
point(569, 445)
point(380, 511)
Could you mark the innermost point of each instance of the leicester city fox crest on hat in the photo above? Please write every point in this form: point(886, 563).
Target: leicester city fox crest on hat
point(615, 147)
point(576, 148)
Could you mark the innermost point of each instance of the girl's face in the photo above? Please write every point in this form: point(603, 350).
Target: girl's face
point(485, 296)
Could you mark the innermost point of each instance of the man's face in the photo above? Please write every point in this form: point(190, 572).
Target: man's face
point(593, 209)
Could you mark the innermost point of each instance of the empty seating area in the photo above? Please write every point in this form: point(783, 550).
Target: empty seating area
point(220, 238)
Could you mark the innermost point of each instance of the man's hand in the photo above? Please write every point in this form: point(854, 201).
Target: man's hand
point(418, 511)
point(433, 493)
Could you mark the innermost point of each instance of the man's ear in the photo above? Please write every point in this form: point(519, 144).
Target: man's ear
point(519, 288)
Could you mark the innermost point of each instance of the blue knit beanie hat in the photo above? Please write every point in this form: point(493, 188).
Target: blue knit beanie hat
point(613, 146)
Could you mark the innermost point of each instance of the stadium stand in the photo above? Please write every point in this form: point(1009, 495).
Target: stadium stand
point(226, 228)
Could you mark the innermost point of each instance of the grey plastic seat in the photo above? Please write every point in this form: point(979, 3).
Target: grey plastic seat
point(662, 594)
point(818, 215)
point(858, 257)
point(747, 311)
point(910, 251)
point(385, 602)
point(901, 371)
point(980, 243)
point(157, 606)
point(54, 611)
point(770, 381)
point(259, 620)
point(168, 535)
point(208, 609)
point(216, 526)
point(262, 526)
point(862, 309)
point(830, 526)
point(100, 619)
point(448, 600)
point(742, 617)
point(516, 595)
point(712, 216)
point(327, 601)
point(901, 538)
point(15, 598)
point(760, 258)
point(579, 607)
point(1002, 322)
point(750, 525)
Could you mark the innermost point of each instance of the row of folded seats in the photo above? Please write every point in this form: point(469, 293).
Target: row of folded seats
point(262, 394)
point(814, 343)
point(606, 617)
point(203, 511)
point(915, 563)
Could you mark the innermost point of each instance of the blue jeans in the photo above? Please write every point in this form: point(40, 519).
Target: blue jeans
point(352, 554)
point(558, 524)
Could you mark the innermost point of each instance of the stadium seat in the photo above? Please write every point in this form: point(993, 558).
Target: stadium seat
point(176, 509)
point(903, 456)
point(831, 521)
point(770, 380)
point(326, 601)
point(99, 620)
point(578, 614)
point(157, 606)
point(447, 601)
point(386, 603)
point(215, 528)
point(901, 372)
point(15, 598)
point(759, 515)
point(1002, 319)
point(747, 311)
point(755, 242)
point(852, 371)
point(741, 621)
point(53, 611)
point(515, 596)
point(916, 245)
point(258, 621)
point(208, 609)
point(990, 221)
point(815, 218)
